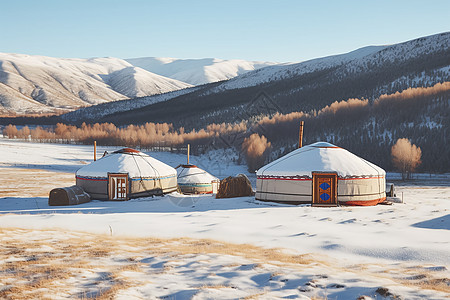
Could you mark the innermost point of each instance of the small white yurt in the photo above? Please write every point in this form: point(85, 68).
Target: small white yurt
point(125, 174)
point(193, 180)
point(321, 174)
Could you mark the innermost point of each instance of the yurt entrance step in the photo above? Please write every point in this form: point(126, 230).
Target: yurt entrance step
point(324, 189)
point(118, 186)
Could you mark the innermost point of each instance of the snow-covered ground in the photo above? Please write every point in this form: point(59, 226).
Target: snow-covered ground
point(336, 253)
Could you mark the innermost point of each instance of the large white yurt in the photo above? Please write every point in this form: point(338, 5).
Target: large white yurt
point(193, 180)
point(321, 174)
point(125, 174)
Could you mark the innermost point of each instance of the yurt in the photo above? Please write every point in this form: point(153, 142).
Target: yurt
point(321, 174)
point(193, 180)
point(125, 174)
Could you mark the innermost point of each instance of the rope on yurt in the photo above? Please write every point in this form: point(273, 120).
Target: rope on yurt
point(140, 173)
point(289, 155)
point(378, 173)
point(264, 182)
point(178, 175)
point(156, 172)
point(204, 172)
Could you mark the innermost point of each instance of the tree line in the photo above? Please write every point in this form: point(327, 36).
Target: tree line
point(294, 92)
point(366, 128)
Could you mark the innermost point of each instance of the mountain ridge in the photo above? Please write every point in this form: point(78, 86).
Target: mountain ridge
point(197, 71)
point(67, 83)
point(366, 72)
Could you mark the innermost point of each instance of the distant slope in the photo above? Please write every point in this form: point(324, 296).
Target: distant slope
point(363, 73)
point(197, 71)
point(37, 84)
point(280, 72)
point(12, 100)
point(102, 110)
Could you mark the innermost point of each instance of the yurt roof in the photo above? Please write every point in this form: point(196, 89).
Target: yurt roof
point(127, 160)
point(320, 157)
point(193, 174)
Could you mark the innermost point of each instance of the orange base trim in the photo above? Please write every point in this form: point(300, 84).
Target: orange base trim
point(363, 203)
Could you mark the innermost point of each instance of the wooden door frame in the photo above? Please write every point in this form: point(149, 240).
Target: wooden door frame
point(110, 187)
point(315, 189)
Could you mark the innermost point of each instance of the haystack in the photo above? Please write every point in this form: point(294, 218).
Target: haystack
point(238, 186)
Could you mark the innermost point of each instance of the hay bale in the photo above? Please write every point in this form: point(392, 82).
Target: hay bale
point(238, 186)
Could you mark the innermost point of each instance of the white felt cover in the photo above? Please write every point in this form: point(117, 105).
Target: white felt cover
point(193, 175)
point(135, 164)
point(320, 157)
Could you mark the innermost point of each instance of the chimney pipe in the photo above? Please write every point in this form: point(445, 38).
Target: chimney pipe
point(189, 147)
point(300, 135)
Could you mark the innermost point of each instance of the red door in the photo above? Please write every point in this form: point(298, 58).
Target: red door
point(118, 187)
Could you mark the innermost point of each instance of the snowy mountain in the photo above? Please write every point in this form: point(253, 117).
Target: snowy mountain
point(284, 71)
point(197, 71)
point(365, 73)
point(38, 84)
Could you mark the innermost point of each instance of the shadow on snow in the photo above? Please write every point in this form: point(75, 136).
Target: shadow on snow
point(437, 223)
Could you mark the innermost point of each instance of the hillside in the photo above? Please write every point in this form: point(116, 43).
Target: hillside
point(365, 73)
point(38, 84)
point(197, 71)
point(368, 75)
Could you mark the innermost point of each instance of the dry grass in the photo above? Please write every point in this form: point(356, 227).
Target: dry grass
point(34, 268)
point(22, 183)
point(417, 276)
point(36, 265)
point(191, 246)
point(254, 296)
point(39, 268)
point(426, 280)
point(215, 286)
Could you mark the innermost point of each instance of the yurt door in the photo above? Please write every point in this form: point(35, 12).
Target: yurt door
point(117, 187)
point(324, 189)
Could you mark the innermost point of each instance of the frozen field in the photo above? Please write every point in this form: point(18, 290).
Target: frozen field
point(197, 247)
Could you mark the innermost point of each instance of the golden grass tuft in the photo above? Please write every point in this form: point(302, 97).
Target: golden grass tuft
point(425, 280)
point(254, 296)
point(215, 286)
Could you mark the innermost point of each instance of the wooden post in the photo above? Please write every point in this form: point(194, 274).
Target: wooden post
point(95, 150)
point(189, 147)
point(300, 135)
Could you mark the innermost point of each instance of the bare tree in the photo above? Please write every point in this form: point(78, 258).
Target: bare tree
point(24, 133)
point(255, 149)
point(10, 131)
point(406, 157)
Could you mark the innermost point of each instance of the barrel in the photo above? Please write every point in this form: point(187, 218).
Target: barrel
point(71, 195)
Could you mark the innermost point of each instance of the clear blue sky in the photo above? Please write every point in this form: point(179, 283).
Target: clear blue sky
point(253, 30)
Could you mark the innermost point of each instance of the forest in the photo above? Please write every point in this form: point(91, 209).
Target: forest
point(366, 128)
point(305, 92)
